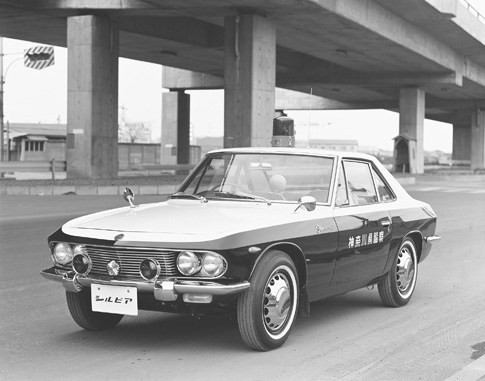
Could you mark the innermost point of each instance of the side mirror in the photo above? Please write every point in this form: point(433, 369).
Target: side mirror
point(308, 202)
point(129, 196)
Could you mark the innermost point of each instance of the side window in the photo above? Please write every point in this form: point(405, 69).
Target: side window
point(360, 183)
point(342, 196)
point(385, 193)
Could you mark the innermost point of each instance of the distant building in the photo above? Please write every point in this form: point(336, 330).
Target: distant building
point(36, 142)
point(44, 142)
point(335, 144)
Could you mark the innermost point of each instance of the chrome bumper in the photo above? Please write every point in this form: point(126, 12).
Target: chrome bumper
point(164, 290)
point(432, 238)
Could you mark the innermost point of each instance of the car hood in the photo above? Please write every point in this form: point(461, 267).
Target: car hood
point(183, 220)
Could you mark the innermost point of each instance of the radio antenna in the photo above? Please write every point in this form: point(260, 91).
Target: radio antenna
point(310, 116)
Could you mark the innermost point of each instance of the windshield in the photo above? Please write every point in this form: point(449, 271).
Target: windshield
point(274, 177)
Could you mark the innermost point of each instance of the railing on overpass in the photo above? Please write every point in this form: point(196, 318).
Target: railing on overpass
point(473, 11)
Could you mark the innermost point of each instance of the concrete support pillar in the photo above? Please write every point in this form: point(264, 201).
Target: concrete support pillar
point(478, 140)
point(175, 128)
point(92, 101)
point(249, 80)
point(411, 125)
point(462, 143)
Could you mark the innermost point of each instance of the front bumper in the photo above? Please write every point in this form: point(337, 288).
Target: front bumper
point(164, 290)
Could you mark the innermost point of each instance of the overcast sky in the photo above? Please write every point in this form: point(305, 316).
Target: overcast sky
point(33, 96)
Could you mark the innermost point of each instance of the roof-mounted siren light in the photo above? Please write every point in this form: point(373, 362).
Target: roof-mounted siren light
point(283, 132)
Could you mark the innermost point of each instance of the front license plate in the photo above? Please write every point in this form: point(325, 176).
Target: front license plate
point(114, 299)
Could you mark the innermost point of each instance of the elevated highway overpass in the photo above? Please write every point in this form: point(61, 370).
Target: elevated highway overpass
point(421, 58)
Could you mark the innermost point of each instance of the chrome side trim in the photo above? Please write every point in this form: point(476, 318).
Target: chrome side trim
point(164, 290)
point(432, 238)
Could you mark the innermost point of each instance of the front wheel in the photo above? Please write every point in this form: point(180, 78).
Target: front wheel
point(267, 310)
point(79, 304)
point(398, 286)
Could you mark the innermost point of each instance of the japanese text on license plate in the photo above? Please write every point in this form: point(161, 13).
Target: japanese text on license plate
point(114, 299)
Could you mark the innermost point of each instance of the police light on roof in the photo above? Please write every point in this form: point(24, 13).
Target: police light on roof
point(283, 132)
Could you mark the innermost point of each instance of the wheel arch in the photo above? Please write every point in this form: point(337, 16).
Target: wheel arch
point(417, 239)
point(296, 255)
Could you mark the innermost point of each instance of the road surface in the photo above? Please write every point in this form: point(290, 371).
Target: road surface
point(350, 337)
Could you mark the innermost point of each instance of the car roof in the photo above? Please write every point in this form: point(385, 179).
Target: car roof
point(298, 151)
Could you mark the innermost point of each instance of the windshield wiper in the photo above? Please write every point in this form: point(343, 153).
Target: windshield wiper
point(182, 195)
point(241, 196)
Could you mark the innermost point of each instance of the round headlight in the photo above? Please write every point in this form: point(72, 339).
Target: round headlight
point(188, 263)
point(149, 269)
point(213, 264)
point(81, 263)
point(63, 253)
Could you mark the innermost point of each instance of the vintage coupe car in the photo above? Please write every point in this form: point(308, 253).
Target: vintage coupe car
point(258, 233)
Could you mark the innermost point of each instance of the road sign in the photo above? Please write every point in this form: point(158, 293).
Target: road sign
point(39, 57)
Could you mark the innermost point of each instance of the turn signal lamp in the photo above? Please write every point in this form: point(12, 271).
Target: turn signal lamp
point(81, 263)
point(149, 269)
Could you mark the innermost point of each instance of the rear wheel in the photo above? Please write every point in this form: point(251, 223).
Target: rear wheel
point(267, 310)
point(79, 304)
point(398, 286)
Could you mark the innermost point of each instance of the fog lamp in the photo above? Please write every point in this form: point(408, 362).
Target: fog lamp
point(213, 264)
point(149, 269)
point(63, 253)
point(81, 263)
point(188, 263)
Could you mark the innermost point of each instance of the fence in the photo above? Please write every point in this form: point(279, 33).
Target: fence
point(33, 166)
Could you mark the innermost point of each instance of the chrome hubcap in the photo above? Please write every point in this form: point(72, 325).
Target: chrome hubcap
point(276, 302)
point(405, 271)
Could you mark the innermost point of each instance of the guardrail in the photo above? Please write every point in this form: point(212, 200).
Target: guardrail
point(33, 166)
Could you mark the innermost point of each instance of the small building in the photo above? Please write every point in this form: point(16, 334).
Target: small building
point(44, 142)
point(36, 142)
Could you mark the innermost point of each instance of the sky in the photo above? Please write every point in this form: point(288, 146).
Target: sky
point(40, 96)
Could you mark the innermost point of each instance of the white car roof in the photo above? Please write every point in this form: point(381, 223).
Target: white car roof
point(297, 151)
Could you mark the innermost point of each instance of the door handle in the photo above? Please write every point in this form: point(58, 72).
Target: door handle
point(386, 223)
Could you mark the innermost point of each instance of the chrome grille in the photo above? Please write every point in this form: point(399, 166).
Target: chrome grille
point(129, 259)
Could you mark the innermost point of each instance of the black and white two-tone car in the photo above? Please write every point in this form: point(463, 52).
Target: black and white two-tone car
point(256, 232)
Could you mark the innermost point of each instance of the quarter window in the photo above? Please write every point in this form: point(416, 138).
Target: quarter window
point(385, 193)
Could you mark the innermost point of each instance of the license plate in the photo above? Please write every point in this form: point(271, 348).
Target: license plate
point(114, 299)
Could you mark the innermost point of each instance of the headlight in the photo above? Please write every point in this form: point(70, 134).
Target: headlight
point(205, 264)
point(188, 263)
point(213, 264)
point(63, 253)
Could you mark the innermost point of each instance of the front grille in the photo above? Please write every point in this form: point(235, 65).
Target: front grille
point(129, 259)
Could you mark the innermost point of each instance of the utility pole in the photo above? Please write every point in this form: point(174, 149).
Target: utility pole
point(1, 102)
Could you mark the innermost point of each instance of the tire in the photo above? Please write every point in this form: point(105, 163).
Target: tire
point(398, 286)
point(79, 304)
point(264, 325)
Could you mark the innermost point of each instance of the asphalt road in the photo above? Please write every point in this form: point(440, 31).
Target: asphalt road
point(351, 337)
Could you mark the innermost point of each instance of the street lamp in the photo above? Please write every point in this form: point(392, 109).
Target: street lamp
point(3, 78)
point(38, 57)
